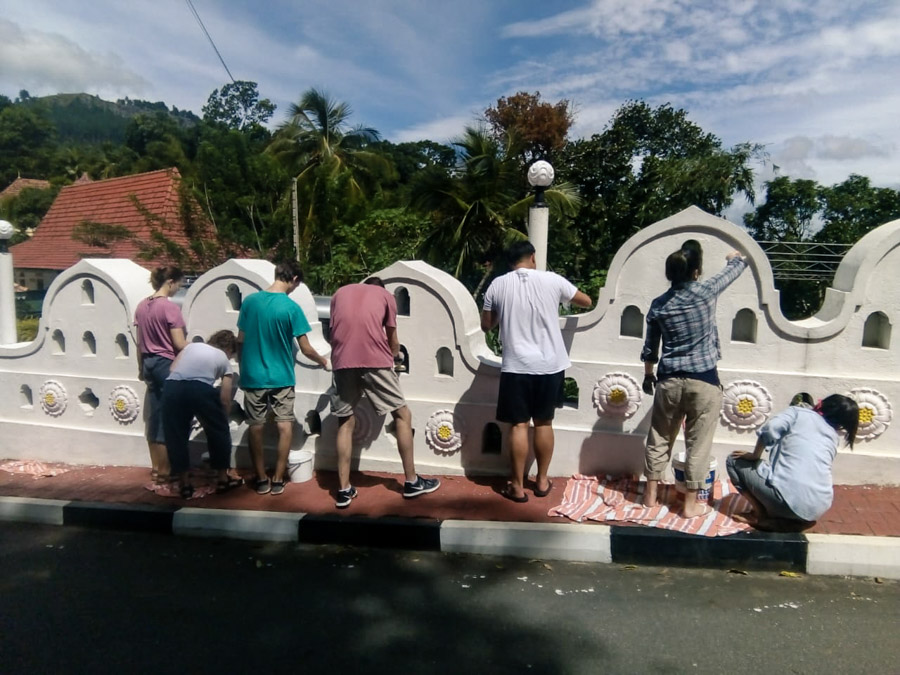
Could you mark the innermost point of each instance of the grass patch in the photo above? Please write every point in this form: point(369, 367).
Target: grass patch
point(27, 328)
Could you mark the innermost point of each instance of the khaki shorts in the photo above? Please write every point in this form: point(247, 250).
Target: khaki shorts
point(380, 385)
point(258, 401)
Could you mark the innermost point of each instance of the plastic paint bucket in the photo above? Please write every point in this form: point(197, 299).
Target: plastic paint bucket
point(300, 465)
point(708, 483)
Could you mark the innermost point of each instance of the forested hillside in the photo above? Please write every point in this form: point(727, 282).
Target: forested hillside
point(364, 202)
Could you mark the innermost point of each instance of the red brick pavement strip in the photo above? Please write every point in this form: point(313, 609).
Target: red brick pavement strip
point(867, 510)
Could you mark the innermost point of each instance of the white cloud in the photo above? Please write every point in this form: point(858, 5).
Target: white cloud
point(441, 130)
point(47, 63)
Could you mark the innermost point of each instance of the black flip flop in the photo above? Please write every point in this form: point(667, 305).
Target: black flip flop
point(505, 492)
point(543, 493)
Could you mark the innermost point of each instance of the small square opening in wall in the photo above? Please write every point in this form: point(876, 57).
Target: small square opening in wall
point(877, 331)
point(491, 439)
point(122, 348)
point(632, 322)
point(89, 344)
point(59, 342)
point(570, 393)
point(88, 402)
point(87, 292)
point(26, 398)
point(401, 296)
point(234, 297)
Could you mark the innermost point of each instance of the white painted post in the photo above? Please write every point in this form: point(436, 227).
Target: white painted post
point(538, 230)
point(540, 176)
point(8, 333)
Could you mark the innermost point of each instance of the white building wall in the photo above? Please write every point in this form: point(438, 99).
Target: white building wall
point(453, 413)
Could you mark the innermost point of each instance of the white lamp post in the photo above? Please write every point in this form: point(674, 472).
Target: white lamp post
point(540, 176)
point(7, 287)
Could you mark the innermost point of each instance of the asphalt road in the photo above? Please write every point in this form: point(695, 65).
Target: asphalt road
point(85, 601)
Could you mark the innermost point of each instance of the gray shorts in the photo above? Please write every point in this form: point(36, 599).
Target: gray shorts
point(380, 385)
point(258, 401)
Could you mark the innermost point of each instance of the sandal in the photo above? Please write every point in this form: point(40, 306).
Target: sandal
point(543, 493)
point(508, 493)
point(228, 484)
point(187, 491)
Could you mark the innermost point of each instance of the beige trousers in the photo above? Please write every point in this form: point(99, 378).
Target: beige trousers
point(697, 404)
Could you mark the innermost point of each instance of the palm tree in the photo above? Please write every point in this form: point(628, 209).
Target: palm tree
point(327, 157)
point(483, 204)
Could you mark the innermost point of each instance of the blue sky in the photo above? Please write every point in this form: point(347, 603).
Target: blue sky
point(813, 80)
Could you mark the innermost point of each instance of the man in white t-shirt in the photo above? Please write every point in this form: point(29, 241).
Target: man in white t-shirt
point(525, 302)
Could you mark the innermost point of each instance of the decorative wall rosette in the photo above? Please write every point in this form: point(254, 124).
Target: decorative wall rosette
point(124, 404)
point(617, 395)
point(746, 404)
point(54, 398)
point(875, 412)
point(443, 432)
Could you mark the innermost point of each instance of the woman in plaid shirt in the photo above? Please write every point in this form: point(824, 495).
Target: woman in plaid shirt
point(683, 321)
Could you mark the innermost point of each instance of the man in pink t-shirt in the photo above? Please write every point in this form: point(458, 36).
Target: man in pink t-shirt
point(364, 346)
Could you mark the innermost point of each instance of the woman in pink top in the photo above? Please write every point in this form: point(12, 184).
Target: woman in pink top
point(159, 328)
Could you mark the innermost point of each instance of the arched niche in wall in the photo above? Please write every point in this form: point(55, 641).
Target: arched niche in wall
point(88, 344)
point(234, 297)
point(87, 292)
point(632, 322)
point(59, 342)
point(570, 393)
point(88, 402)
point(26, 397)
point(403, 366)
point(877, 331)
point(444, 358)
point(401, 296)
point(743, 327)
point(491, 439)
point(122, 348)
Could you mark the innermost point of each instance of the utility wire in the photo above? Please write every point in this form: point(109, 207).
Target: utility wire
point(209, 37)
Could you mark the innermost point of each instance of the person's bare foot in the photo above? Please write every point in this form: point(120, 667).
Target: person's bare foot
point(697, 510)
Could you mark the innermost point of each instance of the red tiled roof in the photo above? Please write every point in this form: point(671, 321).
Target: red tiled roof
point(109, 202)
point(20, 184)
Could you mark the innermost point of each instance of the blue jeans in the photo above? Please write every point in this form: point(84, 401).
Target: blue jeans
point(745, 478)
point(155, 370)
point(182, 401)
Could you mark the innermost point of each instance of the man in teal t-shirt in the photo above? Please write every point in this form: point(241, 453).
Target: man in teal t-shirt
point(268, 324)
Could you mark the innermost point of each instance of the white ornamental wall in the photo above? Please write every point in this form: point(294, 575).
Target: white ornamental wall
point(451, 384)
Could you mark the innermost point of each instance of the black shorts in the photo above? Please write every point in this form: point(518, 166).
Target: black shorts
point(529, 397)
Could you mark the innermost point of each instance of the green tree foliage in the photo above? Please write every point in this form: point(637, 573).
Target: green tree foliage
point(853, 208)
point(157, 142)
point(27, 142)
point(238, 106)
point(648, 164)
point(540, 128)
point(480, 207)
point(26, 209)
point(334, 168)
point(788, 211)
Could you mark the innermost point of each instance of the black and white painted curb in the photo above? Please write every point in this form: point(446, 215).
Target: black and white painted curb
point(848, 555)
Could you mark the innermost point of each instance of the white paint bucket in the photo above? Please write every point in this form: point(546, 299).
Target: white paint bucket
point(708, 483)
point(300, 465)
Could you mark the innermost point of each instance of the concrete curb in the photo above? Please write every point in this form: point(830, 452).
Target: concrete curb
point(814, 554)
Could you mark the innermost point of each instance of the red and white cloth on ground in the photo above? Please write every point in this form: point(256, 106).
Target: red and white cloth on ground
point(619, 500)
point(32, 468)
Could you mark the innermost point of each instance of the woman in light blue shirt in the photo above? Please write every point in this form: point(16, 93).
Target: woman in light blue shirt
point(793, 487)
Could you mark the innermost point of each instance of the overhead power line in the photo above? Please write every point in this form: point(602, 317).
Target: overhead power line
point(209, 37)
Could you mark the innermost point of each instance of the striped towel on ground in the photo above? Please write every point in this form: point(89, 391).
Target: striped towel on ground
point(619, 500)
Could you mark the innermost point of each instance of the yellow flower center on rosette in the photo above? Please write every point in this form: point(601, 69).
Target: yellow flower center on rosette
point(618, 396)
point(121, 405)
point(866, 415)
point(444, 432)
point(745, 406)
point(49, 398)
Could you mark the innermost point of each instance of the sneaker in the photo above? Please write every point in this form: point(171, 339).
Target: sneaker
point(263, 486)
point(344, 497)
point(422, 486)
point(277, 487)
